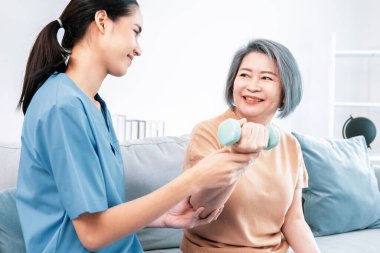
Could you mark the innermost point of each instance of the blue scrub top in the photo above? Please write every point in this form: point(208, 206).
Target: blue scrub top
point(70, 164)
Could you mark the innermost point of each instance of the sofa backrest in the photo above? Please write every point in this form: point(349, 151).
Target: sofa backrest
point(9, 161)
point(149, 163)
point(10, 154)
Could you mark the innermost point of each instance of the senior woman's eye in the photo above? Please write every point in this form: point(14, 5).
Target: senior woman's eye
point(267, 78)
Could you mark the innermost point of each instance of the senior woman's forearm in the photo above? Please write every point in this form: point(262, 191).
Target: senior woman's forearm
point(300, 237)
point(211, 199)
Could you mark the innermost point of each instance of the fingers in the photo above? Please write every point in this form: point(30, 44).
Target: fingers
point(229, 156)
point(242, 157)
point(213, 216)
point(264, 135)
point(242, 167)
point(254, 138)
point(222, 168)
point(220, 210)
point(198, 221)
point(242, 121)
point(199, 211)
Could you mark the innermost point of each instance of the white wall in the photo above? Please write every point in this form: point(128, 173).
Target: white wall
point(187, 48)
point(22, 20)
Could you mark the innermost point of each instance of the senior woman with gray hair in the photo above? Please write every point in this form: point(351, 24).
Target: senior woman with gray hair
point(263, 209)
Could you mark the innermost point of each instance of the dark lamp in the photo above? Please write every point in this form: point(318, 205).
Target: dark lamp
point(359, 126)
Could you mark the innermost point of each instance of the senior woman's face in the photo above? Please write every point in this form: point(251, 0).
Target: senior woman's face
point(257, 89)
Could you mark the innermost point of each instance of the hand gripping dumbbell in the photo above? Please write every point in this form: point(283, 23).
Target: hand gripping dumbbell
point(229, 133)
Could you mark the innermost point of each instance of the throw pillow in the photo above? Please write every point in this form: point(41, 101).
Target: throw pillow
point(343, 192)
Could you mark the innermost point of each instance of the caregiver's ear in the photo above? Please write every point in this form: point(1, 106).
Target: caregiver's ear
point(101, 20)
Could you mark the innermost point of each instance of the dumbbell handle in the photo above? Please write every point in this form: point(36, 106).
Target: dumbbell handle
point(229, 133)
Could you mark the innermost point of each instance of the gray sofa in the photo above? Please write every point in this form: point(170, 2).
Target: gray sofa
point(149, 163)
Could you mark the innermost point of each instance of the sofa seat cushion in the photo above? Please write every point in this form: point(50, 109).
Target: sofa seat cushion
point(11, 239)
point(367, 241)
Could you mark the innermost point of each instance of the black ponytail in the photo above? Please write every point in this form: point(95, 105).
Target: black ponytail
point(48, 56)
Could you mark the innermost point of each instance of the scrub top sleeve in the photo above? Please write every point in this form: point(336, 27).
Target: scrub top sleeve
point(70, 152)
point(303, 178)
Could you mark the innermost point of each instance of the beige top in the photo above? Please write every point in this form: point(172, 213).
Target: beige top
point(252, 218)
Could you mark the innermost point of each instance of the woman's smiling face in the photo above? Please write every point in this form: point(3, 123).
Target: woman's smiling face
point(257, 88)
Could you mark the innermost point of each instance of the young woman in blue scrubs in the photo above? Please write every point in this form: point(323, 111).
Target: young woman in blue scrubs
point(70, 192)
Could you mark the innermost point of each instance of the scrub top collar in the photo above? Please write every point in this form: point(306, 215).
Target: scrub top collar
point(97, 97)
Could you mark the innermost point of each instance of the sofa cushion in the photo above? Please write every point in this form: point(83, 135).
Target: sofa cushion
point(11, 239)
point(149, 164)
point(364, 241)
point(377, 173)
point(353, 242)
point(343, 192)
point(9, 157)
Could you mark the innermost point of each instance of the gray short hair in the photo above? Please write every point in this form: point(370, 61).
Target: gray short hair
point(287, 66)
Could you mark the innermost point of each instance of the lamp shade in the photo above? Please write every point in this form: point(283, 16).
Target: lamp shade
point(359, 126)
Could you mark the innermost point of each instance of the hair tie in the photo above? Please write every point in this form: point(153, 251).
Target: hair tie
point(60, 22)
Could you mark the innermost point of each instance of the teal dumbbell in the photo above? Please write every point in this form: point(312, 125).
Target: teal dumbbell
point(229, 133)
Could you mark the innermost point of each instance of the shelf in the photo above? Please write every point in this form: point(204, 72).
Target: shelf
point(374, 158)
point(357, 104)
point(333, 104)
point(357, 53)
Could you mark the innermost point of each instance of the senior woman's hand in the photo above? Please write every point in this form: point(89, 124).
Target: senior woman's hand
point(253, 140)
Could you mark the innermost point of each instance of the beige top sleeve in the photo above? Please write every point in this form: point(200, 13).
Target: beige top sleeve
point(203, 142)
point(303, 177)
